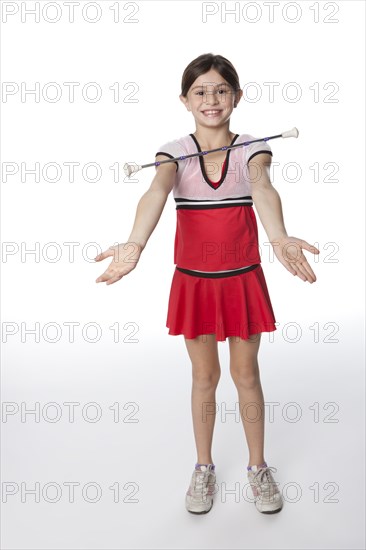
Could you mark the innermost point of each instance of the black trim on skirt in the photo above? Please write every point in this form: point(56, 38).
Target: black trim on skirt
point(217, 275)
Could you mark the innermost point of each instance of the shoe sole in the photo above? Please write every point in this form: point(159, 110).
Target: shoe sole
point(199, 513)
point(270, 511)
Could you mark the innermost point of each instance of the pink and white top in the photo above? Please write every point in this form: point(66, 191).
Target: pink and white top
point(216, 232)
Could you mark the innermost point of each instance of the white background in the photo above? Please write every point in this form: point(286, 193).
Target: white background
point(314, 360)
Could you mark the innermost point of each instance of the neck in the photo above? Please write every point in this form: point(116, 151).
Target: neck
point(212, 138)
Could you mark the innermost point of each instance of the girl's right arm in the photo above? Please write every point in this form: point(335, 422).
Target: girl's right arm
point(148, 212)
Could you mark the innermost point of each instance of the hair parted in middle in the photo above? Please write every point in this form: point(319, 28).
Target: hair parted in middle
point(202, 64)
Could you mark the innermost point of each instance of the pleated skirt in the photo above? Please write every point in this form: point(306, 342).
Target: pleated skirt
point(237, 305)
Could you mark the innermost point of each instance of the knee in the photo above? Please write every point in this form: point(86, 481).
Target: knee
point(206, 379)
point(245, 375)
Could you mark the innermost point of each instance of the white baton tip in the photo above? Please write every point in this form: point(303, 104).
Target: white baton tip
point(291, 133)
point(130, 168)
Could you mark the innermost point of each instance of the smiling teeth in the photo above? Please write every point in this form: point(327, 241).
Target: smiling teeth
point(211, 112)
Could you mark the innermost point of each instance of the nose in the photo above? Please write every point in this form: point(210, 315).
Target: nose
point(213, 98)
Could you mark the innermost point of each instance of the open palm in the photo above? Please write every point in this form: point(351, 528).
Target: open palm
point(125, 258)
point(289, 252)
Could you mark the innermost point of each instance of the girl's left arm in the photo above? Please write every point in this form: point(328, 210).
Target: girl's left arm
point(267, 202)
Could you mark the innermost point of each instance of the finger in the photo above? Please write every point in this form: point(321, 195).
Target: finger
point(101, 279)
point(110, 276)
point(106, 276)
point(294, 269)
point(106, 280)
point(288, 266)
point(299, 272)
point(114, 279)
point(301, 265)
point(305, 267)
point(307, 270)
point(103, 255)
point(309, 247)
point(305, 274)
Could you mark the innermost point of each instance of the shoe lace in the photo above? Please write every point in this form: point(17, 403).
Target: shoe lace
point(201, 482)
point(264, 478)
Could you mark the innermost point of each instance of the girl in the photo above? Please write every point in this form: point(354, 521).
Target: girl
point(218, 290)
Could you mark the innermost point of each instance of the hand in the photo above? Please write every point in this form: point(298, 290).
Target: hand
point(126, 256)
point(289, 252)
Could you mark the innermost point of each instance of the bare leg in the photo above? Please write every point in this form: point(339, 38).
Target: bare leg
point(244, 371)
point(205, 377)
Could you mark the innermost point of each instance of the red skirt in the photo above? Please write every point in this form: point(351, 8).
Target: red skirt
point(238, 305)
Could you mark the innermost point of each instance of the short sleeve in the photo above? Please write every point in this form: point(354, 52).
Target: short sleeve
point(256, 148)
point(171, 149)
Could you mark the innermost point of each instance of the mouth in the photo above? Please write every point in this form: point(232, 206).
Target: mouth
point(211, 113)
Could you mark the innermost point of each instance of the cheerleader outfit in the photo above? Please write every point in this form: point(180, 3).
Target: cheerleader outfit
point(218, 286)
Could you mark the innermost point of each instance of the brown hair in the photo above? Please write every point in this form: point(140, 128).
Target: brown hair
point(203, 64)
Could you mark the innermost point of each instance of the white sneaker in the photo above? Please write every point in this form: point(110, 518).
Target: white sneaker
point(199, 497)
point(268, 498)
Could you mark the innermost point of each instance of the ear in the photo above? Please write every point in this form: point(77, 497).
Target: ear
point(185, 101)
point(238, 97)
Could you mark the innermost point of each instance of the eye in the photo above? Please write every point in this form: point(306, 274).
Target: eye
point(199, 93)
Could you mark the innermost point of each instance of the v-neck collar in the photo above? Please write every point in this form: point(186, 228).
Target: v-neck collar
point(202, 165)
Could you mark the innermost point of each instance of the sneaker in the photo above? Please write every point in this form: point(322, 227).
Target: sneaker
point(199, 496)
point(268, 498)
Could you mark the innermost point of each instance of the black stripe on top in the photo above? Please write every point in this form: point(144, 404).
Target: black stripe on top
point(202, 204)
point(257, 153)
point(218, 274)
point(168, 155)
point(218, 184)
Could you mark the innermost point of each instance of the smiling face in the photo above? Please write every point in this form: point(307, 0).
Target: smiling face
point(211, 99)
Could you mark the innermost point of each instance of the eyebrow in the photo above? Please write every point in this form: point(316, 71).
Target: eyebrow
point(210, 84)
